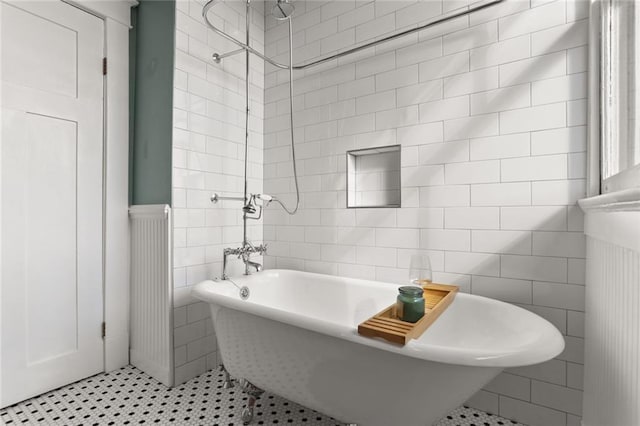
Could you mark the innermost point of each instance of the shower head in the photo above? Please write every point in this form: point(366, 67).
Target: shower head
point(265, 198)
point(282, 10)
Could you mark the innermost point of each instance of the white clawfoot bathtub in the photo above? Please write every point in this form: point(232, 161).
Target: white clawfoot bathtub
point(296, 336)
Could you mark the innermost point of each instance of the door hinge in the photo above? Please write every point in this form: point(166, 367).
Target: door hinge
point(104, 66)
point(104, 330)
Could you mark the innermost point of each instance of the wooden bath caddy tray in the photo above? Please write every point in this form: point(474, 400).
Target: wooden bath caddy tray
point(385, 324)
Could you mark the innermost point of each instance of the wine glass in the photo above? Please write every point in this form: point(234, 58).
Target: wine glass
point(420, 270)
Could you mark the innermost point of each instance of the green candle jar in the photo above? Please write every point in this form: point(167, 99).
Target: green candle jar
point(410, 303)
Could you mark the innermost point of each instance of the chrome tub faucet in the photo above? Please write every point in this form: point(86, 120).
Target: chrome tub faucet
point(254, 265)
point(243, 253)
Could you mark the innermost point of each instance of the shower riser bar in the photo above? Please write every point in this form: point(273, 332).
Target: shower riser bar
point(217, 57)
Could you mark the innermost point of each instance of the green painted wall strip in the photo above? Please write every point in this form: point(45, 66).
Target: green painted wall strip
point(152, 89)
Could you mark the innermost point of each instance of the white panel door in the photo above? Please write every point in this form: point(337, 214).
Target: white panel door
point(51, 196)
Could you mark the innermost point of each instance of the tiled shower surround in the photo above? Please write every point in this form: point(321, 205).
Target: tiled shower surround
point(209, 135)
point(208, 157)
point(490, 113)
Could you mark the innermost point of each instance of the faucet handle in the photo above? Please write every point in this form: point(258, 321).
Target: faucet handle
point(262, 248)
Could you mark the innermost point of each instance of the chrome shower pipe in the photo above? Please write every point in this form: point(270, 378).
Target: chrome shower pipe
point(448, 17)
point(216, 197)
point(265, 198)
point(217, 57)
point(245, 240)
point(243, 46)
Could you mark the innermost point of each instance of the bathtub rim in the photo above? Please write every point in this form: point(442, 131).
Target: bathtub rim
point(525, 355)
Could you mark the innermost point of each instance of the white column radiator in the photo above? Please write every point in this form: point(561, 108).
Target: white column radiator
point(612, 325)
point(151, 346)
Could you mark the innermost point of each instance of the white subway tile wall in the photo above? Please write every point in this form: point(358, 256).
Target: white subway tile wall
point(208, 157)
point(490, 111)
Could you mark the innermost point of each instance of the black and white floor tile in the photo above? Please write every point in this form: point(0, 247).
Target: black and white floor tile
point(130, 397)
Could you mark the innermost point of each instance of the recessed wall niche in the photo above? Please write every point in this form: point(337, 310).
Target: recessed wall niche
point(373, 177)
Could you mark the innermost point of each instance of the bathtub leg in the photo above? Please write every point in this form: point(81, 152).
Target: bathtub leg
point(254, 393)
point(228, 381)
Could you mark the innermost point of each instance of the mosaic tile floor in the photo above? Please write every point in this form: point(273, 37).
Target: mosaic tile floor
point(130, 397)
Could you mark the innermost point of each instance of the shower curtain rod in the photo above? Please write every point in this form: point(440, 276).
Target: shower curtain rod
point(218, 57)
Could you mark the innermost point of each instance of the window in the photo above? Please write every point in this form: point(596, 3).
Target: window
point(620, 95)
